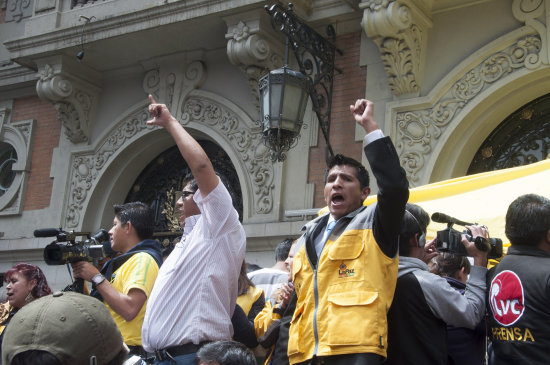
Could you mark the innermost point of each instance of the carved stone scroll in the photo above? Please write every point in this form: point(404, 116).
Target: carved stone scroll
point(399, 29)
point(249, 48)
point(74, 100)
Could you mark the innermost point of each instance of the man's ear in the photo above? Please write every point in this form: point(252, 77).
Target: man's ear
point(129, 228)
point(364, 193)
point(461, 275)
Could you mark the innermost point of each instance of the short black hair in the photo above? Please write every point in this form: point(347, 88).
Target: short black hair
point(449, 263)
point(225, 353)
point(415, 220)
point(340, 160)
point(282, 249)
point(141, 216)
point(528, 220)
point(189, 179)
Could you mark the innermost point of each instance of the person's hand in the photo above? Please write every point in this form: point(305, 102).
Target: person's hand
point(480, 257)
point(160, 114)
point(478, 230)
point(429, 251)
point(285, 294)
point(363, 112)
point(84, 270)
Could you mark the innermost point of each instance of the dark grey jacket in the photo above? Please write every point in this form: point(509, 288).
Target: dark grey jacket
point(423, 305)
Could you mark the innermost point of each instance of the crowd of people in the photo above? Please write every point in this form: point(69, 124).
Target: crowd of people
point(359, 286)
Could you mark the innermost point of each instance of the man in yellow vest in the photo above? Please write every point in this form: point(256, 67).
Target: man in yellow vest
point(346, 262)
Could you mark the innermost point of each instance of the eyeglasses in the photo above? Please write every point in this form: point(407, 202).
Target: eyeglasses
point(186, 193)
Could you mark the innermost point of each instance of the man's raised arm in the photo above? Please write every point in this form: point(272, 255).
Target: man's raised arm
point(192, 152)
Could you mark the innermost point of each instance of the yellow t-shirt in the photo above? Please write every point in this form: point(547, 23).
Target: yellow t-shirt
point(140, 271)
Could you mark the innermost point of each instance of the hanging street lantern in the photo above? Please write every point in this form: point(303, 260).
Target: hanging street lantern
point(284, 93)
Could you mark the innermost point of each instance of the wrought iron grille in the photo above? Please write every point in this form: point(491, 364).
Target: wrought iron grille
point(521, 139)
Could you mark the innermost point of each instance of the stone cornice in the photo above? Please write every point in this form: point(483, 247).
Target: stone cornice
point(399, 29)
point(13, 74)
point(148, 17)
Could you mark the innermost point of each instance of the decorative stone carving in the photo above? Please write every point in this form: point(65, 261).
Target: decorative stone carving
point(163, 82)
point(252, 52)
point(73, 99)
point(399, 29)
point(18, 9)
point(418, 131)
point(529, 12)
point(246, 141)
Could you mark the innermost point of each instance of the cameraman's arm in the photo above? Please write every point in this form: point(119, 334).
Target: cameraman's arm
point(448, 304)
point(126, 305)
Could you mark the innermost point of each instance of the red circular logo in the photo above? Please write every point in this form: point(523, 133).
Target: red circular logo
point(506, 298)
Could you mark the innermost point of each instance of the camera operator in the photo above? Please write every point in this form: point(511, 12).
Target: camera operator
point(519, 289)
point(424, 303)
point(126, 281)
point(465, 345)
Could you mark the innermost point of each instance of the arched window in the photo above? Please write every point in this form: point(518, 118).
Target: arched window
point(522, 138)
point(15, 147)
point(8, 157)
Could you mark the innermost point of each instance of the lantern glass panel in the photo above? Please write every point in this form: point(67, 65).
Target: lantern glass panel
point(293, 99)
point(265, 110)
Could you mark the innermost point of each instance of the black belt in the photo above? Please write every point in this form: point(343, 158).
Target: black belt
point(174, 351)
point(137, 350)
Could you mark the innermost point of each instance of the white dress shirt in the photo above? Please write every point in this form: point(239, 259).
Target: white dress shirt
point(195, 293)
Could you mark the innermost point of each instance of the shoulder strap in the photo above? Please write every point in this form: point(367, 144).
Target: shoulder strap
point(109, 268)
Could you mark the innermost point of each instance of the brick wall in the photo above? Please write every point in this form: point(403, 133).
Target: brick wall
point(46, 137)
point(347, 87)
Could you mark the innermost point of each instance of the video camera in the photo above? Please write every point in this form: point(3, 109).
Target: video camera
point(450, 240)
point(91, 249)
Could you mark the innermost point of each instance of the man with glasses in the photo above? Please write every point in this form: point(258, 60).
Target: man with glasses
point(196, 290)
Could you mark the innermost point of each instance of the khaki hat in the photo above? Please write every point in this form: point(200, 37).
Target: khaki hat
point(71, 326)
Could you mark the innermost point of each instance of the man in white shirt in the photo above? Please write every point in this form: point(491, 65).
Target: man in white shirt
point(196, 289)
point(273, 278)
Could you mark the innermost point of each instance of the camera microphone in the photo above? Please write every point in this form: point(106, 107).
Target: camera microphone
point(47, 232)
point(444, 218)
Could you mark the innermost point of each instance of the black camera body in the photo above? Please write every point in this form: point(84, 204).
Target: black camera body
point(450, 240)
point(91, 249)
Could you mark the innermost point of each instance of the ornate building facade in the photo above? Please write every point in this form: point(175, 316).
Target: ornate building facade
point(446, 76)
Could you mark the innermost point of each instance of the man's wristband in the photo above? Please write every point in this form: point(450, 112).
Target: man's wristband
point(98, 279)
